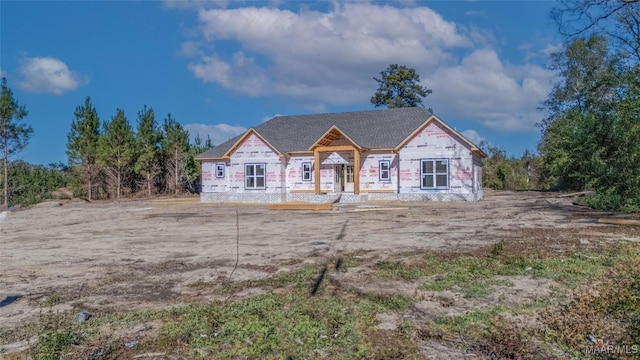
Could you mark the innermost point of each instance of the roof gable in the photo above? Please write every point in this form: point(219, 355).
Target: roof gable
point(244, 138)
point(460, 138)
point(330, 137)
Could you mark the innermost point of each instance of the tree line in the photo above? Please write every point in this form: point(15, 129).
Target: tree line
point(110, 159)
point(107, 159)
point(591, 132)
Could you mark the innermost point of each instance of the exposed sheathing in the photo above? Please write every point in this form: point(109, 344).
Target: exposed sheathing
point(477, 168)
point(210, 182)
point(294, 179)
point(252, 151)
point(370, 172)
point(436, 142)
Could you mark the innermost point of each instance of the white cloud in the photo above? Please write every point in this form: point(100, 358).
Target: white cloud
point(189, 49)
point(484, 89)
point(473, 136)
point(317, 58)
point(218, 133)
point(551, 49)
point(48, 75)
point(3, 73)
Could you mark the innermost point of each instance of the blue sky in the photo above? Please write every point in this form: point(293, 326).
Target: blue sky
point(220, 67)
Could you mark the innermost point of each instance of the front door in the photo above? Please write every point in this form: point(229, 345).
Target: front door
point(348, 178)
point(343, 178)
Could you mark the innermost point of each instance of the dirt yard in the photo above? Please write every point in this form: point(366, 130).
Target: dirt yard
point(148, 254)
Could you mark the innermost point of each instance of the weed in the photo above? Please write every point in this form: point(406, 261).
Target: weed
point(52, 300)
point(58, 333)
point(498, 248)
point(201, 284)
point(406, 328)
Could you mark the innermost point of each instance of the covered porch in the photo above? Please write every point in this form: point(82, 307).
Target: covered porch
point(336, 152)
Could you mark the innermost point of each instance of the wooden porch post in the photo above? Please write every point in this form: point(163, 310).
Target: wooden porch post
point(316, 170)
point(356, 171)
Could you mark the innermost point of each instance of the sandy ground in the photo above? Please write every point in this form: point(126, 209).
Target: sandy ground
point(144, 254)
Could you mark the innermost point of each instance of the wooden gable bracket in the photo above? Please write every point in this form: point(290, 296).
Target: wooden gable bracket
point(329, 136)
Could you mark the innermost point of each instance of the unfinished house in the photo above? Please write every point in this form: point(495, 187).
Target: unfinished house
point(394, 154)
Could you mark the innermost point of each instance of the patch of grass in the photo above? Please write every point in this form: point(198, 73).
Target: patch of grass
point(299, 278)
point(606, 308)
point(57, 334)
point(474, 324)
point(272, 325)
point(201, 284)
point(400, 270)
point(489, 333)
point(473, 275)
point(52, 300)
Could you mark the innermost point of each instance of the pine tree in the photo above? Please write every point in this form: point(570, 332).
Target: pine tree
point(399, 87)
point(175, 146)
point(82, 144)
point(13, 135)
point(116, 149)
point(148, 138)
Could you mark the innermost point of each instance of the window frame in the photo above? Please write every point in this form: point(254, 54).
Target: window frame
point(388, 171)
point(255, 176)
point(220, 170)
point(434, 174)
point(307, 172)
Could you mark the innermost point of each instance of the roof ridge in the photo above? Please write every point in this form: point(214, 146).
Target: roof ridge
point(350, 112)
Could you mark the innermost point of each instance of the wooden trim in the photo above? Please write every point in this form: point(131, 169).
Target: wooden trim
point(379, 191)
point(304, 152)
point(315, 144)
point(297, 191)
point(300, 206)
point(316, 171)
point(356, 171)
point(334, 148)
point(211, 158)
point(244, 137)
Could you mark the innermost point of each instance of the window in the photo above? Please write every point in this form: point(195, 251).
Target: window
point(254, 176)
point(434, 174)
point(385, 173)
point(306, 171)
point(219, 170)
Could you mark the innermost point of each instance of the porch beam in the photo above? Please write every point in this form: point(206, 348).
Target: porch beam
point(334, 148)
point(316, 170)
point(356, 171)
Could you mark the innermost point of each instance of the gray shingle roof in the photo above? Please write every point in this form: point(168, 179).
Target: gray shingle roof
point(373, 129)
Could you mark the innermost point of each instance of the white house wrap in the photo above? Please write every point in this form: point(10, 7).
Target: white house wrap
point(395, 154)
